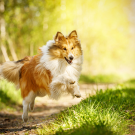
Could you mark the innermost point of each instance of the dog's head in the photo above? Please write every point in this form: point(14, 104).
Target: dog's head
point(67, 48)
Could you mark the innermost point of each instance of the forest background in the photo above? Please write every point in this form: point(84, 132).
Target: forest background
point(106, 29)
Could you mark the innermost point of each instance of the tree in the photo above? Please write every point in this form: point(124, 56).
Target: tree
point(3, 30)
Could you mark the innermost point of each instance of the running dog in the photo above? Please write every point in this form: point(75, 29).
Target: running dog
point(55, 70)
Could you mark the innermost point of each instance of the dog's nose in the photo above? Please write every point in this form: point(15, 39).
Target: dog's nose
point(71, 57)
point(78, 96)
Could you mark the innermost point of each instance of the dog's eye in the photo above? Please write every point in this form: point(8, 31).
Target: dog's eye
point(64, 49)
point(72, 48)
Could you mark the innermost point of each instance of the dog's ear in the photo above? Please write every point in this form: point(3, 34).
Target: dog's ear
point(73, 34)
point(59, 37)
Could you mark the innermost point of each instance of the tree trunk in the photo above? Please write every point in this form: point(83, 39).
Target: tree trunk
point(11, 47)
point(3, 31)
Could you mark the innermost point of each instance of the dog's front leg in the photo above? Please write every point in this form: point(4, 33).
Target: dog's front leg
point(64, 79)
point(74, 90)
point(71, 85)
point(60, 85)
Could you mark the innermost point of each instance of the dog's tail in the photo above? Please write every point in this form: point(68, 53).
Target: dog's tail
point(11, 70)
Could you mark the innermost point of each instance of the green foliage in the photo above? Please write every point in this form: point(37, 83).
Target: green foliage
point(107, 112)
point(131, 81)
point(9, 96)
point(99, 79)
point(103, 28)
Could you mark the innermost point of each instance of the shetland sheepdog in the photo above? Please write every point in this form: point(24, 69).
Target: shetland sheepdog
point(55, 70)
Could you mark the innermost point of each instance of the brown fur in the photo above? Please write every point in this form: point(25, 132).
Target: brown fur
point(70, 43)
point(34, 77)
point(24, 60)
point(30, 74)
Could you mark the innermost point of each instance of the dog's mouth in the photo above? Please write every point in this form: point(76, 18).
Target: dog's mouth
point(68, 61)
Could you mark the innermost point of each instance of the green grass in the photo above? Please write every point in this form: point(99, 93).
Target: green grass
point(108, 112)
point(9, 96)
point(100, 78)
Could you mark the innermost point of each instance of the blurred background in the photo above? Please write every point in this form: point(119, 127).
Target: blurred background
point(106, 29)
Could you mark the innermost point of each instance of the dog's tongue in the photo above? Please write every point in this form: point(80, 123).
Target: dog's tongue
point(70, 61)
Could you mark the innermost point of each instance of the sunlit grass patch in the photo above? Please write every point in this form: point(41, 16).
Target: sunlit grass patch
point(105, 113)
point(99, 78)
point(8, 95)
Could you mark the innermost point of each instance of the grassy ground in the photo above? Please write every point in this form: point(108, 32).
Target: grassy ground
point(9, 96)
point(108, 112)
point(100, 78)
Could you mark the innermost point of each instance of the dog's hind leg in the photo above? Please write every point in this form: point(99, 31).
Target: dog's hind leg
point(26, 102)
point(31, 105)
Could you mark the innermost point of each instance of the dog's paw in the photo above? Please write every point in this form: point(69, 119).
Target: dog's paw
point(70, 81)
point(25, 118)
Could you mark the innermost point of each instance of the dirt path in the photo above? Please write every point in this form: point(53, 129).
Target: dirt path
point(44, 112)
